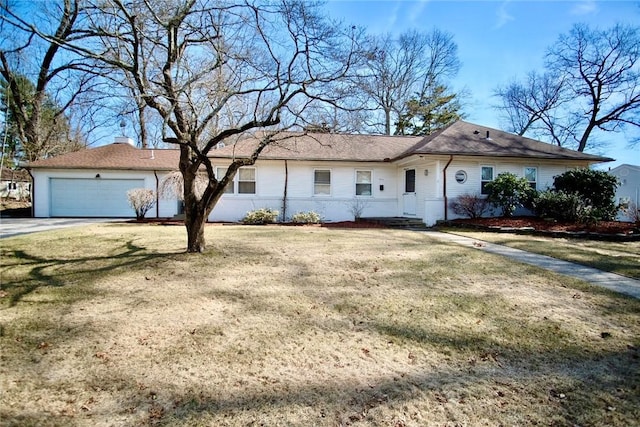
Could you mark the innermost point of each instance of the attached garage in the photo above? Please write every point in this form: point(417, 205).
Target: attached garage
point(94, 182)
point(97, 197)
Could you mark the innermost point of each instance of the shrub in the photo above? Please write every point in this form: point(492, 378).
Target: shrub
point(597, 190)
point(509, 192)
point(469, 205)
point(261, 216)
point(558, 205)
point(632, 212)
point(310, 217)
point(141, 200)
point(357, 207)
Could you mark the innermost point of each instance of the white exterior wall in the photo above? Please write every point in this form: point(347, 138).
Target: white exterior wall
point(433, 202)
point(338, 206)
point(629, 187)
point(42, 189)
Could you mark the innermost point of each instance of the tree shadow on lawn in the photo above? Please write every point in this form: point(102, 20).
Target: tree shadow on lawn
point(597, 388)
point(59, 272)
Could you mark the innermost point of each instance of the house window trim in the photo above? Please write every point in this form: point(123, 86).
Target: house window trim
point(370, 183)
point(255, 182)
point(535, 182)
point(313, 190)
point(483, 182)
point(232, 186)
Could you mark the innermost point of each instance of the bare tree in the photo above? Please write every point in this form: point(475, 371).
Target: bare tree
point(592, 82)
point(397, 69)
point(43, 86)
point(219, 72)
point(601, 70)
point(526, 103)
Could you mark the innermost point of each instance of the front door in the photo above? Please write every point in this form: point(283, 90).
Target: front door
point(409, 198)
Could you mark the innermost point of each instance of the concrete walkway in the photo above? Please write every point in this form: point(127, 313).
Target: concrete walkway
point(10, 227)
point(615, 282)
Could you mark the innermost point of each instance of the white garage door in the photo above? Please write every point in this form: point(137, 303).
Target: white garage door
point(96, 197)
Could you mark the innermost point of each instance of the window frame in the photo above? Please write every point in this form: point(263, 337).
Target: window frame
point(406, 181)
point(315, 183)
point(243, 181)
point(370, 183)
point(484, 182)
point(533, 184)
point(230, 189)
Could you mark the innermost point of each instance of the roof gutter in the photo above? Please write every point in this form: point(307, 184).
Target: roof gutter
point(444, 187)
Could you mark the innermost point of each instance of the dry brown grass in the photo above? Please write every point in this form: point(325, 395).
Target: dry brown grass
point(113, 325)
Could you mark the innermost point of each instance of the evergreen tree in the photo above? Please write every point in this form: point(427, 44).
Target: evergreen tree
point(429, 112)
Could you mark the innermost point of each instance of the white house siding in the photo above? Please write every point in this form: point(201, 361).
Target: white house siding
point(629, 187)
point(42, 189)
point(337, 206)
point(430, 188)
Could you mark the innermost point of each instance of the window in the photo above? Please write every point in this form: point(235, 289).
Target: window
point(322, 182)
point(485, 178)
point(246, 181)
point(531, 174)
point(410, 181)
point(363, 183)
point(220, 173)
point(461, 177)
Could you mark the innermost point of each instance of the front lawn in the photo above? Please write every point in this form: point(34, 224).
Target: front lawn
point(113, 325)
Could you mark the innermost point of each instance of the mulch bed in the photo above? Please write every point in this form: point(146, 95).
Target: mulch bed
point(609, 230)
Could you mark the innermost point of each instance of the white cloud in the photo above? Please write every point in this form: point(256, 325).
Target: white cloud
point(585, 7)
point(393, 18)
point(416, 10)
point(503, 15)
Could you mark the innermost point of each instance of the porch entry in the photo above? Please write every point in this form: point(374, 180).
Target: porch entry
point(409, 199)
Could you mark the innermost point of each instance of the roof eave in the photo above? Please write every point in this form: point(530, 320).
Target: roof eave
point(588, 158)
point(102, 168)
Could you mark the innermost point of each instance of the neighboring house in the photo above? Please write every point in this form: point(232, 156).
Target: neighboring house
point(335, 175)
point(629, 188)
point(15, 184)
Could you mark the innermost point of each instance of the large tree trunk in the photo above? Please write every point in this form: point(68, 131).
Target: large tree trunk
point(195, 222)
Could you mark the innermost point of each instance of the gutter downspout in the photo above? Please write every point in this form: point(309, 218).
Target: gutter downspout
point(284, 196)
point(444, 187)
point(155, 173)
point(33, 194)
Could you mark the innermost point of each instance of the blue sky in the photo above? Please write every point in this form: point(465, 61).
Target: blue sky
point(497, 40)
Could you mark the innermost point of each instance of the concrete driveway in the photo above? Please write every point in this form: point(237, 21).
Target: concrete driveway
point(10, 227)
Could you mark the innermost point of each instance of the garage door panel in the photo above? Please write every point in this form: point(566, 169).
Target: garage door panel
point(92, 197)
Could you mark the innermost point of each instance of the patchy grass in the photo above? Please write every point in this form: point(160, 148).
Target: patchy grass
point(616, 257)
point(113, 325)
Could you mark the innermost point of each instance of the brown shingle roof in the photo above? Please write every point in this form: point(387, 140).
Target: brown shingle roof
point(460, 138)
point(322, 146)
point(469, 139)
point(113, 156)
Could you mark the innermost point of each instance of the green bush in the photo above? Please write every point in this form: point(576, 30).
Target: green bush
point(310, 217)
point(509, 192)
point(261, 216)
point(597, 190)
point(558, 205)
